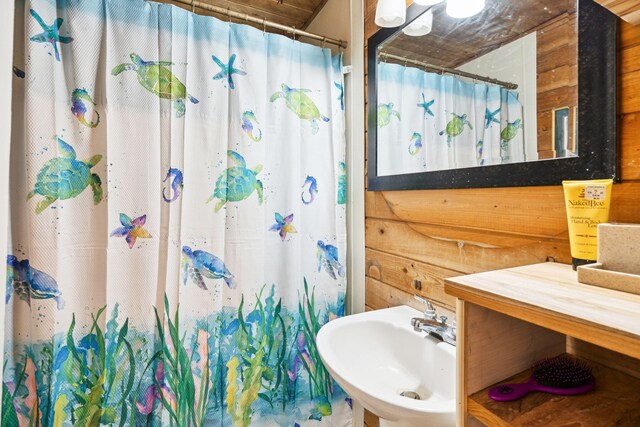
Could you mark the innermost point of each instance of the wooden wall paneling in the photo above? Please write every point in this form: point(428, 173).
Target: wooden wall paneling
point(531, 220)
point(630, 149)
point(629, 59)
point(629, 10)
point(629, 35)
point(546, 150)
point(432, 245)
point(557, 81)
point(562, 77)
point(617, 361)
point(556, 98)
point(376, 206)
point(410, 276)
point(536, 211)
point(629, 91)
point(380, 295)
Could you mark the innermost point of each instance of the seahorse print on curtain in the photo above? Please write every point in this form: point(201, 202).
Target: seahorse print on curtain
point(164, 269)
point(428, 121)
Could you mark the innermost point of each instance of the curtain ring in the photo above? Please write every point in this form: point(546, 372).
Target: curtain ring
point(264, 25)
point(229, 14)
point(295, 30)
point(193, 6)
point(324, 39)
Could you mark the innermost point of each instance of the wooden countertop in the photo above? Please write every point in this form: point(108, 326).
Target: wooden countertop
point(550, 296)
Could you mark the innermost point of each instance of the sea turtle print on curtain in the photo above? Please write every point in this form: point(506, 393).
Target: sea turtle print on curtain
point(166, 268)
point(428, 122)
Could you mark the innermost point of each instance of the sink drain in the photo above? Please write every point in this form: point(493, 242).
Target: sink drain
point(410, 395)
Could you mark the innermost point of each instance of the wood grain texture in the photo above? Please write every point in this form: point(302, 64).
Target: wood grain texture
point(481, 217)
point(410, 276)
point(629, 35)
point(630, 150)
point(459, 249)
point(295, 13)
point(614, 402)
point(629, 10)
point(461, 371)
point(613, 360)
point(370, 420)
point(497, 346)
point(382, 296)
point(557, 82)
point(549, 295)
point(452, 41)
point(535, 212)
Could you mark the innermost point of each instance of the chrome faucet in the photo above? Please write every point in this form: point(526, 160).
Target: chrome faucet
point(437, 328)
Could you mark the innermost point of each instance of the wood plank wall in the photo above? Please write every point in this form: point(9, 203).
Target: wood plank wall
point(415, 239)
point(629, 10)
point(557, 67)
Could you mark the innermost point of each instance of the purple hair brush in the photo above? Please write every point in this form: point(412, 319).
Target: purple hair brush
point(562, 374)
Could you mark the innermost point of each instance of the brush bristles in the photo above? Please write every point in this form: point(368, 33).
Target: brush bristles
point(562, 371)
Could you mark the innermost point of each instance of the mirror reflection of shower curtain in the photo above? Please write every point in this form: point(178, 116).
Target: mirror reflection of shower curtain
point(428, 122)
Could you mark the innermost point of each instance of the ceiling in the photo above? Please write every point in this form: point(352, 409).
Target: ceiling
point(294, 13)
point(454, 42)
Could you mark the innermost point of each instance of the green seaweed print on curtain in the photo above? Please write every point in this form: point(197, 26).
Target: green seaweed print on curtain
point(161, 242)
point(234, 368)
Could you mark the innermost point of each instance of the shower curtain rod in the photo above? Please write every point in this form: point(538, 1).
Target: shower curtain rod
point(265, 23)
point(450, 70)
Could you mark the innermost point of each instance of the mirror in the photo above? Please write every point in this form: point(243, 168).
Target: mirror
point(503, 98)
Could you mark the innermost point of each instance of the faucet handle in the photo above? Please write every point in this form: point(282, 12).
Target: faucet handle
point(429, 311)
point(453, 330)
point(443, 320)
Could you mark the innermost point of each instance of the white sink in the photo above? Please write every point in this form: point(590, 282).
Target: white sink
point(377, 355)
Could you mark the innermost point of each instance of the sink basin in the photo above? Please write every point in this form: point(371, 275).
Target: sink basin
point(376, 356)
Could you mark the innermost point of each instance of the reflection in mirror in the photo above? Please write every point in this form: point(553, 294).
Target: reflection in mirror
point(497, 88)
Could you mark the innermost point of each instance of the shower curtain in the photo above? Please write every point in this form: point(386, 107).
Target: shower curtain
point(177, 221)
point(428, 121)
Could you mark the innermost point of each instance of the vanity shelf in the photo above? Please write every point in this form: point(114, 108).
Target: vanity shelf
point(509, 319)
point(615, 402)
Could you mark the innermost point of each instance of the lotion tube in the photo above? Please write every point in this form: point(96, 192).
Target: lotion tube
point(587, 205)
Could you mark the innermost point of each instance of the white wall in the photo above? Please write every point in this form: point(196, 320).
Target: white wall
point(334, 21)
point(515, 62)
point(6, 76)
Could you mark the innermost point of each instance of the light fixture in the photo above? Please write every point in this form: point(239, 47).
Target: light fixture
point(427, 2)
point(421, 26)
point(391, 13)
point(464, 8)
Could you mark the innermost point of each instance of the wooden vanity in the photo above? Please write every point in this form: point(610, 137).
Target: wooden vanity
point(509, 319)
